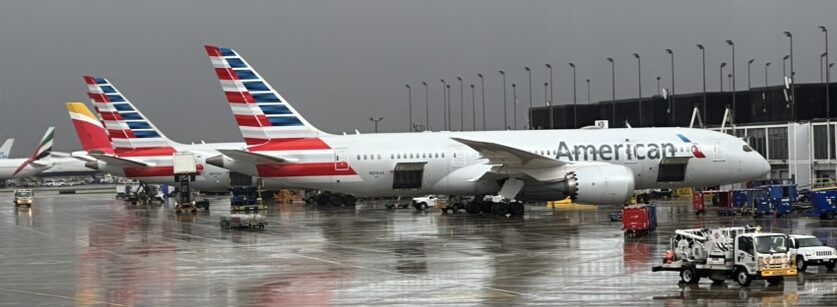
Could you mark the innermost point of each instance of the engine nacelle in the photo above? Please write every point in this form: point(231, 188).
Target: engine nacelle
point(599, 185)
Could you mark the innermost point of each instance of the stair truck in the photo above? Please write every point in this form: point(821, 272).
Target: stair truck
point(740, 253)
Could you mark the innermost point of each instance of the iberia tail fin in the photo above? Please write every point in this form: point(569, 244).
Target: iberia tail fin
point(91, 133)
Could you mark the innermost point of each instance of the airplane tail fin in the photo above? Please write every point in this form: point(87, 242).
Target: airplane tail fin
point(91, 133)
point(42, 151)
point(261, 113)
point(6, 149)
point(127, 127)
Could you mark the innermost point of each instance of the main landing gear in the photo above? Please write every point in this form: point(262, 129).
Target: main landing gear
point(504, 208)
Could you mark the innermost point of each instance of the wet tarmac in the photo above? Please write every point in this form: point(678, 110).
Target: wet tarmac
point(94, 250)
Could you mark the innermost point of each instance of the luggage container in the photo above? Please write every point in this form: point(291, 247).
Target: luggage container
point(697, 203)
point(639, 218)
point(243, 221)
point(824, 203)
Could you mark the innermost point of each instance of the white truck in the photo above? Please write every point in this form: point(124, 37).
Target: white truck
point(739, 253)
point(811, 251)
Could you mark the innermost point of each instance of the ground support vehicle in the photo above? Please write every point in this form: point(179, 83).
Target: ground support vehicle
point(776, 199)
point(243, 221)
point(245, 198)
point(740, 253)
point(326, 198)
point(399, 203)
point(824, 203)
point(661, 193)
point(811, 251)
point(23, 197)
point(638, 219)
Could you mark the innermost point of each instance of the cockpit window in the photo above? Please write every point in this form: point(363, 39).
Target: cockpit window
point(747, 148)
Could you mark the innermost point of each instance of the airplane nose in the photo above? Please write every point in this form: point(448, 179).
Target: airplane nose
point(765, 167)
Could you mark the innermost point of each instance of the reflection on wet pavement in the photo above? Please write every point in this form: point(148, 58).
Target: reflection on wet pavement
point(93, 250)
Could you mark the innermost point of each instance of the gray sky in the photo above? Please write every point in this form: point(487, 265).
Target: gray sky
point(340, 62)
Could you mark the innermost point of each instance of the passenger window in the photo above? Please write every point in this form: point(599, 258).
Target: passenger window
point(392, 156)
point(358, 157)
point(379, 156)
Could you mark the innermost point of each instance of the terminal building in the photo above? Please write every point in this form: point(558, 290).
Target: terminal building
point(793, 136)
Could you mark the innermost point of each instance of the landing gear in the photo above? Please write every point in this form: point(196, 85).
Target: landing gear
point(497, 208)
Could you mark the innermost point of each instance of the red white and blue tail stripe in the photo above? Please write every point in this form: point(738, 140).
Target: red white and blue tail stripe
point(261, 113)
point(127, 127)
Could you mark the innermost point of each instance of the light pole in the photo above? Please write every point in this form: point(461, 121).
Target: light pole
point(729, 78)
point(731, 44)
point(505, 104)
point(764, 93)
point(671, 53)
point(461, 103)
point(749, 84)
point(482, 88)
point(426, 105)
point(375, 122)
point(575, 100)
point(588, 91)
point(546, 101)
point(658, 85)
point(639, 81)
point(792, 77)
point(514, 104)
point(612, 90)
point(447, 97)
point(551, 97)
point(827, 100)
point(722, 76)
point(410, 105)
point(821, 68)
point(703, 56)
point(785, 63)
point(444, 104)
point(473, 108)
point(530, 95)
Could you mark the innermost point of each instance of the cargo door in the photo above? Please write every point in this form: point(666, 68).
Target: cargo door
point(340, 159)
point(407, 176)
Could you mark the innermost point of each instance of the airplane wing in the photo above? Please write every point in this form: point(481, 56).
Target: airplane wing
point(510, 156)
point(253, 157)
point(123, 162)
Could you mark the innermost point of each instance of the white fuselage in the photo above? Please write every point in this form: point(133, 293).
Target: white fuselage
point(9, 166)
point(210, 178)
point(453, 168)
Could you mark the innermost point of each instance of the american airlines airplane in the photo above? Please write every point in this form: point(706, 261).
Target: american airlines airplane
point(37, 163)
point(132, 146)
point(597, 166)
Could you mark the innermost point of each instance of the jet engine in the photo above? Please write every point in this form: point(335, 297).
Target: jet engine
point(599, 185)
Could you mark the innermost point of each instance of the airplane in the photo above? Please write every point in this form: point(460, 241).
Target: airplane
point(25, 167)
point(132, 146)
point(596, 166)
point(6, 149)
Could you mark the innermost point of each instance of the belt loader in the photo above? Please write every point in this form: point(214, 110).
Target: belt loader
point(740, 253)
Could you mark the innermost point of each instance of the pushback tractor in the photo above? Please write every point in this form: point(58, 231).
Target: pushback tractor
point(740, 253)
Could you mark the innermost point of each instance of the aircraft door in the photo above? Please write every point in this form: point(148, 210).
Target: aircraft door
point(718, 152)
point(457, 158)
point(340, 159)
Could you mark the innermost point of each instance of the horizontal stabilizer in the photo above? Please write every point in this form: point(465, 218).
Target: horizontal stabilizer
point(253, 157)
point(117, 161)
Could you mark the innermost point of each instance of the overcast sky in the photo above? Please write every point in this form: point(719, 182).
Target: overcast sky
point(340, 62)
